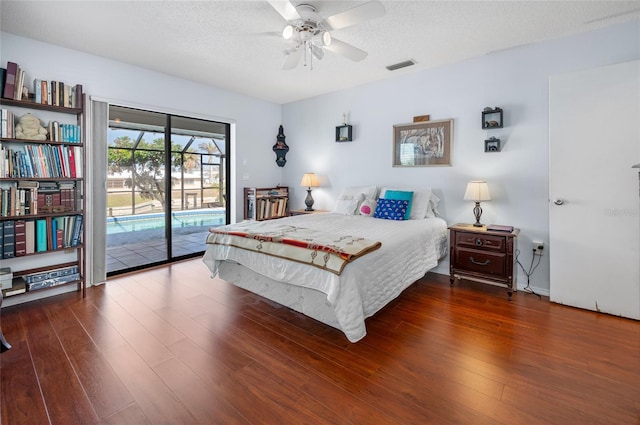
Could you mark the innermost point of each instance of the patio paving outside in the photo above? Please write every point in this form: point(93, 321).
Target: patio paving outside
point(139, 248)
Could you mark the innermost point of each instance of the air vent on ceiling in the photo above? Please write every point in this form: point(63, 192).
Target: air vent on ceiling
point(400, 65)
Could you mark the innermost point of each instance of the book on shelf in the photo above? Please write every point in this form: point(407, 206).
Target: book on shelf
point(48, 283)
point(18, 286)
point(8, 244)
point(10, 80)
point(7, 124)
point(20, 238)
point(20, 75)
point(41, 235)
point(50, 274)
point(54, 93)
point(499, 228)
point(30, 236)
point(37, 90)
point(3, 79)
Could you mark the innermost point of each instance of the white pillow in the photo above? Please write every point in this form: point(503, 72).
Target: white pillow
point(348, 204)
point(421, 204)
point(432, 211)
point(368, 192)
point(368, 207)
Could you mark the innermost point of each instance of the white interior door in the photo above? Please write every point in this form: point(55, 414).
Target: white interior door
point(594, 134)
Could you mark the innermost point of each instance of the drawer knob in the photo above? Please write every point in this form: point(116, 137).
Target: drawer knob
point(484, 263)
point(478, 242)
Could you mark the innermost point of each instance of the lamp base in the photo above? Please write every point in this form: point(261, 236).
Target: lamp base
point(477, 212)
point(308, 201)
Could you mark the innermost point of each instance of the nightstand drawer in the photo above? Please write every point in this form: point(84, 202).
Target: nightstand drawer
point(480, 241)
point(481, 261)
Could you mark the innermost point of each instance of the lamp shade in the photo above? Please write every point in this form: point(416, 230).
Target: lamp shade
point(309, 180)
point(477, 191)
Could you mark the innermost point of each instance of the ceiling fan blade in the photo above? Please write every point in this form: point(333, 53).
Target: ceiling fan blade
point(346, 50)
point(364, 12)
point(285, 9)
point(291, 59)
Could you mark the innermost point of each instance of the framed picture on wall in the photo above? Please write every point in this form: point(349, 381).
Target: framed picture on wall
point(422, 144)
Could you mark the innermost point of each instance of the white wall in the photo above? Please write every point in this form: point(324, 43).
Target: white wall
point(255, 122)
point(514, 79)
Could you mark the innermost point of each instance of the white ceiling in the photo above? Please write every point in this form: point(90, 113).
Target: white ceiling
point(234, 44)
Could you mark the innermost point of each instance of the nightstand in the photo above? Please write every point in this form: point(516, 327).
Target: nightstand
point(300, 212)
point(476, 253)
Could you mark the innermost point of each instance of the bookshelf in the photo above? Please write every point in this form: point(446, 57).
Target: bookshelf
point(42, 202)
point(266, 203)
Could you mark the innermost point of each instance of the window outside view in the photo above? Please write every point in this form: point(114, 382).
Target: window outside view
point(150, 219)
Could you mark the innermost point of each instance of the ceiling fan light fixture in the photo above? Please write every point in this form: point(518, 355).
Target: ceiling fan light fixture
point(317, 52)
point(326, 38)
point(321, 39)
point(287, 32)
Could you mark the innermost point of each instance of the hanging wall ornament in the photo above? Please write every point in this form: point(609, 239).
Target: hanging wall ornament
point(280, 148)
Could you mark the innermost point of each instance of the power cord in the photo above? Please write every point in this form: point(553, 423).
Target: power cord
point(528, 273)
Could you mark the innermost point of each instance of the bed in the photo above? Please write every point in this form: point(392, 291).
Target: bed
point(407, 250)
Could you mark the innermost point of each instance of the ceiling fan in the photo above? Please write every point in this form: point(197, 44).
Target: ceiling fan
point(308, 34)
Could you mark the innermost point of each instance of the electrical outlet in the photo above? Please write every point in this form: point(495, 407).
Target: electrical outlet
point(538, 247)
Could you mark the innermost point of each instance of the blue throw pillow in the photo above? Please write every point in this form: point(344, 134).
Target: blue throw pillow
point(391, 209)
point(401, 196)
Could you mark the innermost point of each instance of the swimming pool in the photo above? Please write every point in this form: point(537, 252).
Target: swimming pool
point(136, 223)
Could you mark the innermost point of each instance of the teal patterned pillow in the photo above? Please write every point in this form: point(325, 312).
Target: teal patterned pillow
point(391, 209)
point(401, 196)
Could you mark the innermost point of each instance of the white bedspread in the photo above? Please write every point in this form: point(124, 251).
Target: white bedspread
point(409, 249)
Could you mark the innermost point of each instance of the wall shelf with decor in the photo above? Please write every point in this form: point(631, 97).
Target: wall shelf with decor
point(266, 203)
point(42, 188)
point(344, 133)
point(492, 118)
point(492, 145)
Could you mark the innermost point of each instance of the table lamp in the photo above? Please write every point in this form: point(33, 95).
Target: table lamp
point(477, 191)
point(309, 180)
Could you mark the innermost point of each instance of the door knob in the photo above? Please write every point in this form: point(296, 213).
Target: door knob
point(558, 201)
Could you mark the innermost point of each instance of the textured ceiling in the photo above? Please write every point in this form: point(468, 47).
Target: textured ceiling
point(235, 44)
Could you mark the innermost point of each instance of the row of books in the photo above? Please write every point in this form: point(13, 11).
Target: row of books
point(266, 208)
point(41, 161)
point(24, 237)
point(31, 198)
point(57, 93)
point(12, 85)
point(56, 132)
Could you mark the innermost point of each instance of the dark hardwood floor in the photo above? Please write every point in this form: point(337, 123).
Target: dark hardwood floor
point(172, 346)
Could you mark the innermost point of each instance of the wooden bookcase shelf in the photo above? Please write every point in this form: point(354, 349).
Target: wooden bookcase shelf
point(58, 197)
point(266, 203)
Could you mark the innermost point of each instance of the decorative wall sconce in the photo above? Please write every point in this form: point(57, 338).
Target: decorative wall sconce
point(280, 148)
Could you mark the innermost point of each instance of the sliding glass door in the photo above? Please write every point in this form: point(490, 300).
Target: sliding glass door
point(166, 186)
